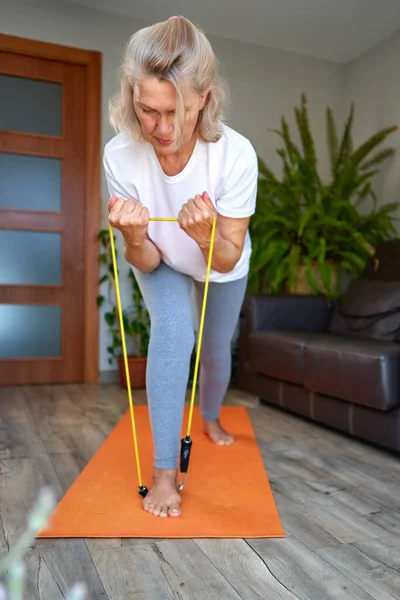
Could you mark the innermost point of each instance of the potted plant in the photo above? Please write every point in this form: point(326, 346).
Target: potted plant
point(307, 233)
point(135, 318)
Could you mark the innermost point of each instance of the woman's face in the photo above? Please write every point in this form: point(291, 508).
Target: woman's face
point(155, 103)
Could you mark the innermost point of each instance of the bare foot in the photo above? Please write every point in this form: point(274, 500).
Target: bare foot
point(217, 434)
point(163, 500)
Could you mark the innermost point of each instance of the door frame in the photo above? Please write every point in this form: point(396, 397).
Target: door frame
point(92, 62)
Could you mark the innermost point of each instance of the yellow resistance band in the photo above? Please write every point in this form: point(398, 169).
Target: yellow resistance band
point(142, 489)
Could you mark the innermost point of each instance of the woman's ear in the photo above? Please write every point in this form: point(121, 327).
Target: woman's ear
point(203, 97)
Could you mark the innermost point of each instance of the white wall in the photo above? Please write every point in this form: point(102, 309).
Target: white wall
point(372, 82)
point(264, 83)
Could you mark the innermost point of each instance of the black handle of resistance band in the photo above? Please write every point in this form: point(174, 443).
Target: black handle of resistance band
point(143, 491)
point(186, 446)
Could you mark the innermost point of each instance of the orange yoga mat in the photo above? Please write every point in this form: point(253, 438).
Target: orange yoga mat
point(227, 492)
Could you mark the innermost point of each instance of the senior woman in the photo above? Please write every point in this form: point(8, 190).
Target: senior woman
point(173, 156)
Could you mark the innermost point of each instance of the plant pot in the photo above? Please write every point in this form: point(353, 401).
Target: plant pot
point(302, 287)
point(137, 371)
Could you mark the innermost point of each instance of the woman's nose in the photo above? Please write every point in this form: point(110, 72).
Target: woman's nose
point(165, 125)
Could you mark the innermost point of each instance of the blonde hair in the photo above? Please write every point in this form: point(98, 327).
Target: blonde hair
point(175, 51)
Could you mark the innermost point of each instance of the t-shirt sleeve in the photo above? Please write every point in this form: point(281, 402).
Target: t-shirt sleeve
point(114, 183)
point(238, 199)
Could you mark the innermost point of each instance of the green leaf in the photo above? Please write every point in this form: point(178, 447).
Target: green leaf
point(262, 255)
point(358, 263)
point(306, 136)
point(322, 251)
point(364, 193)
point(377, 159)
point(280, 275)
point(332, 140)
point(388, 208)
point(281, 249)
point(99, 301)
point(326, 273)
point(103, 234)
point(109, 318)
point(350, 168)
point(293, 264)
point(306, 218)
point(309, 270)
point(346, 143)
point(374, 140)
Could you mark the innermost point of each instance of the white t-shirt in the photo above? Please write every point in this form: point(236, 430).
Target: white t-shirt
point(227, 170)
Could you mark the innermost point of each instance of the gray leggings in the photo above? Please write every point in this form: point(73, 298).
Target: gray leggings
point(167, 295)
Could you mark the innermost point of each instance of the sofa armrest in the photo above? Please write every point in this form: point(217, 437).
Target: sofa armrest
point(290, 312)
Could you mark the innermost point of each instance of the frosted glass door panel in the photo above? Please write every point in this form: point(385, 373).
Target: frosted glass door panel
point(30, 105)
point(30, 182)
point(30, 331)
point(30, 258)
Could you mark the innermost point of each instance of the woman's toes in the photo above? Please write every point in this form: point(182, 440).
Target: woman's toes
point(217, 434)
point(163, 499)
point(174, 512)
point(228, 440)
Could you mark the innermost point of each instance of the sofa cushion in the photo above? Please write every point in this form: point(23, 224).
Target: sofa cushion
point(279, 354)
point(369, 309)
point(365, 372)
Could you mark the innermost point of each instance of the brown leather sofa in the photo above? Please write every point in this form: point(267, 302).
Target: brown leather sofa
point(338, 365)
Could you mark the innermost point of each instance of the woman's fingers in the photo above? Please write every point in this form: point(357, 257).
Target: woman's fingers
point(111, 202)
point(130, 206)
point(116, 205)
point(186, 215)
point(199, 203)
point(125, 214)
point(144, 215)
point(201, 210)
point(206, 198)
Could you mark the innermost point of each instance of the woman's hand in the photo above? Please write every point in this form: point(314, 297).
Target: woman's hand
point(196, 219)
point(131, 218)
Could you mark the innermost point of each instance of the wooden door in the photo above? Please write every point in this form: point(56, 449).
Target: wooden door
point(48, 218)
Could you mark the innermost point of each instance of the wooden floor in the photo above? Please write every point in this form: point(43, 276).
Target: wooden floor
point(339, 501)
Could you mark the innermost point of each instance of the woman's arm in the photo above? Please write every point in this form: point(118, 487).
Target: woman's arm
point(132, 219)
point(237, 204)
point(145, 256)
point(228, 245)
